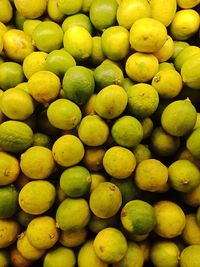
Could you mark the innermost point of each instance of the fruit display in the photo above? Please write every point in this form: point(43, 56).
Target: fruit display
point(99, 133)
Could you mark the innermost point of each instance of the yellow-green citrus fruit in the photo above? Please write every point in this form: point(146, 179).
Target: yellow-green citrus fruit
point(193, 144)
point(166, 51)
point(190, 255)
point(191, 231)
point(4, 258)
point(187, 4)
point(54, 12)
point(29, 9)
point(72, 239)
point(29, 25)
point(17, 259)
point(8, 200)
point(10, 230)
point(68, 7)
point(6, 12)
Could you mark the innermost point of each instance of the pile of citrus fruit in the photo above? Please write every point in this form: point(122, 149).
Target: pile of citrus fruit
point(99, 133)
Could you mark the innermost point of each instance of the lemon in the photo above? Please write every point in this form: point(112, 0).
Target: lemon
point(54, 12)
point(105, 200)
point(40, 139)
point(119, 162)
point(72, 239)
point(45, 193)
point(77, 20)
point(68, 7)
point(151, 175)
point(111, 101)
point(8, 200)
point(168, 83)
point(170, 219)
point(187, 4)
point(138, 217)
point(147, 35)
point(93, 158)
point(182, 111)
point(115, 42)
point(75, 181)
point(15, 136)
point(60, 256)
point(24, 218)
point(17, 259)
point(166, 51)
point(187, 17)
point(10, 229)
point(96, 224)
point(97, 56)
point(78, 84)
point(97, 178)
point(192, 144)
point(178, 47)
point(129, 11)
point(186, 154)
point(64, 114)
point(190, 255)
point(42, 232)
point(184, 175)
point(165, 253)
point(4, 258)
point(78, 42)
point(127, 83)
point(17, 44)
point(141, 152)
point(127, 131)
point(37, 162)
point(44, 86)
point(103, 13)
point(86, 5)
point(114, 249)
point(27, 250)
point(164, 144)
point(191, 231)
point(34, 62)
point(108, 73)
point(11, 74)
point(9, 168)
point(48, 36)
point(31, 10)
point(87, 256)
point(184, 55)
point(143, 100)
point(93, 130)
point(197, 124)
point(1, 44)
point(68, 150)
point(192, 198)
point(164, 17)
point(11, 102)
point(6, 12)
point(72, 214)
point(141, 67)
point(3, 29)
point(29, 25)
point(147, 125)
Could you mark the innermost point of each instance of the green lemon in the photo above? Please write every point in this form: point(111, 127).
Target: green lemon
point(9, 201)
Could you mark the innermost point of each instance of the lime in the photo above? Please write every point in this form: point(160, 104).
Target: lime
point(119, 162)
point(29, 25)
point(37, 162)
point(147, 35)
point(48, 36)
point(103, 13)
point(127, 131)
point(11, 74)
point(78, 42)
point(93, 130)
point(64, 114)
point(75, 181)
point(97, 56)
point(138, 217)
point(184, 175)
point(115, 42)
point(141, 67)
point(42, 232)
point(112, 251)
point(9, 201)
point(45, 193)
point(192, 143)
point(178, 47)
point(143, 100)
point(34, 62)
point(17, 44)
point(78, 84)
point(68, 150)
point(183, 113)
point(44, 86)
point(129, 11)
point(141, 152)
point(105, 200)
point(54, 12)
point(59, 61)
point(9, 168)
point(15, 136)
point(111, 101)
point(72, 214)
point(11, 102)
point(60, 257)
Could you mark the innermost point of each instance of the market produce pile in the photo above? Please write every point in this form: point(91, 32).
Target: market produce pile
point(99, 133)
